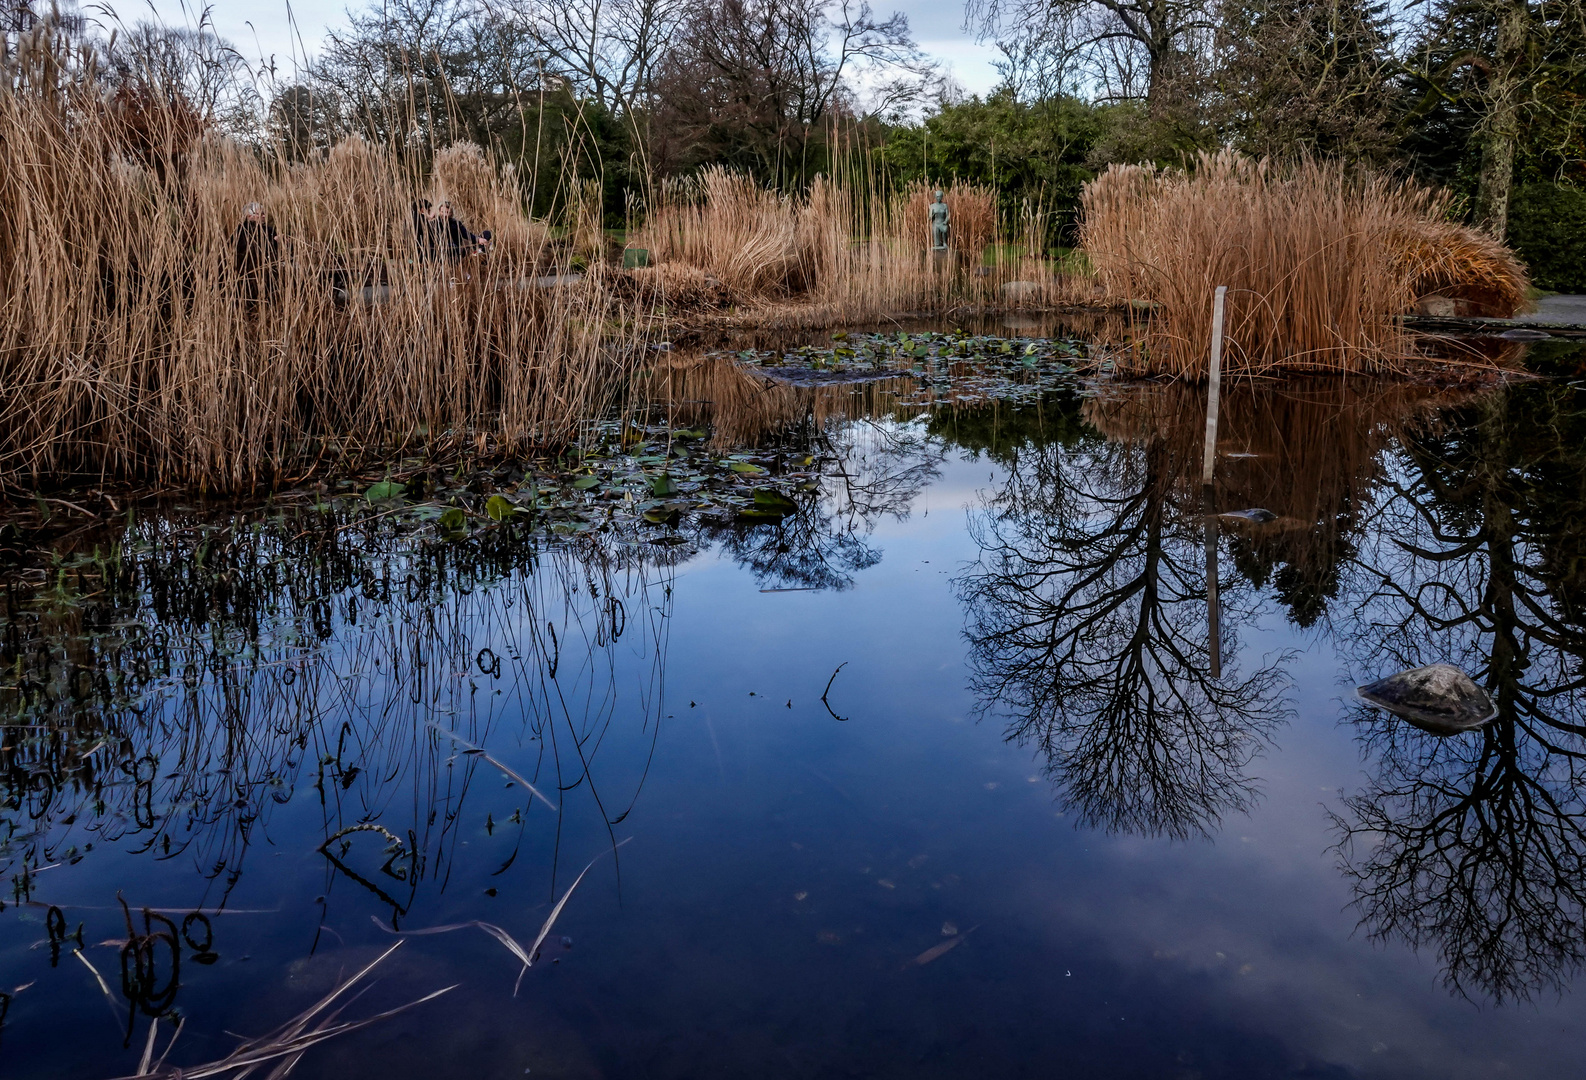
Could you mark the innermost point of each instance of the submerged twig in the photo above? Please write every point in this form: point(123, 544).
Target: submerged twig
point(511, 773)
point(829, 690)
point(285, 1044)
point(525, 956)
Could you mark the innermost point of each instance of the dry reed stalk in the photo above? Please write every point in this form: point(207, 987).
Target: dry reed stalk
point(131, 347)
point(1320, 262)
point(848, 251)
point(284, 1046)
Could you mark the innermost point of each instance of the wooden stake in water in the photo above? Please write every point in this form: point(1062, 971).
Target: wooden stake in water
point(1214, 389)
point(1208, 500)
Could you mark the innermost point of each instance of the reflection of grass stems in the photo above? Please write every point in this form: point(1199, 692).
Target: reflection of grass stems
point(511, 773)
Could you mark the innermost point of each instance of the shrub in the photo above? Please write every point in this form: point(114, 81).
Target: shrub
point(1547, 228)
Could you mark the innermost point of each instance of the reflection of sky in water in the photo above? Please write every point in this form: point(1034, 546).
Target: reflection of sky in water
point(785, 867)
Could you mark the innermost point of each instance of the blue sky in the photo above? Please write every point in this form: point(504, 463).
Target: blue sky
point(265, 28)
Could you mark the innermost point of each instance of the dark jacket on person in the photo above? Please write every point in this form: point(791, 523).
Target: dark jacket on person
point(454, 240)
point(257, 251)
point(423, 232)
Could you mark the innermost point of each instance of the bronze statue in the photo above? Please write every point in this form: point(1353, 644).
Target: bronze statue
point(940, 216)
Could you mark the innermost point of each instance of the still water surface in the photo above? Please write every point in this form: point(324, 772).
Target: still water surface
point(1142, 869)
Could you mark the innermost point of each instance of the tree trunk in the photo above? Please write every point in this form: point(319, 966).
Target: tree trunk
point(1500, 128)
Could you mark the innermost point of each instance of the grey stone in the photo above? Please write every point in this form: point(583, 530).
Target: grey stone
point(1438, 698)
point(1255, 514)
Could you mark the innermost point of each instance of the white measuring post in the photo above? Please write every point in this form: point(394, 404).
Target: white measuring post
point(1214, 390)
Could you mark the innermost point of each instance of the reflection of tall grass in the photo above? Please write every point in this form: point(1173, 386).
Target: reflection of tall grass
point(197, 693)
point(1311, 452)
point(130, 346)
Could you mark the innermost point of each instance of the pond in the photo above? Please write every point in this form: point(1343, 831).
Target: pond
point(948, 770)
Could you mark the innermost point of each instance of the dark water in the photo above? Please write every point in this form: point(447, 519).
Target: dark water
point(1144, 870)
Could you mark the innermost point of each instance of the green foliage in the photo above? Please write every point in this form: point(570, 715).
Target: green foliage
point(385, 489)
point(1446, 76)
point(1547, 229)
point(557, 137)
point(1032, 153)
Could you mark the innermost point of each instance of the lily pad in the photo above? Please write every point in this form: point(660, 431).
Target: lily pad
point(584, 483)
point(747, 468)
point(663, 485)
point(385, 489)
point(773, 500)
point(499, 508)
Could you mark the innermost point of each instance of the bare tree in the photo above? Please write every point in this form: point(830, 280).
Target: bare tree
point(609, 50)
point(1317, 76)
point(752, 81)
point(439, 69)
point(1476, 846)
point(1129, 49)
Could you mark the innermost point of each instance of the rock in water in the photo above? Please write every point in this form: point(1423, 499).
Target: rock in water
point(1438, 698)
point(1255, 514)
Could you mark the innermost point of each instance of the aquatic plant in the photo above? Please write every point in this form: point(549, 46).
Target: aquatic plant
point(1320, 262)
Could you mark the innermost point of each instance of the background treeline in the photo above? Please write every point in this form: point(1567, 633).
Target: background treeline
point(1486, 97)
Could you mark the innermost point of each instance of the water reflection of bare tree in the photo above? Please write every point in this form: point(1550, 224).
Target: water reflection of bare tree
point(1087, 625)
point(866, 442)
point(1309, 451)
point(1475, 845)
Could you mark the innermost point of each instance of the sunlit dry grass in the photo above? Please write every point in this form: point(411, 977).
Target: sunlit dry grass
point(843, 252)
point(1320, 262)
point(131, 347)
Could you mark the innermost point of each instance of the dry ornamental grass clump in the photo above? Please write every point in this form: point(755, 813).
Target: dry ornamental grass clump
point(1320, 262)
point(137, 344)
point(848, 251)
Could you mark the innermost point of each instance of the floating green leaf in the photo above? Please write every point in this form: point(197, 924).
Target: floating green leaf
point(452, 519)
point(584, 483)
point(385, 489)
point(499, 508)
point(748, 468)
point(772, 499)
point(663, 485)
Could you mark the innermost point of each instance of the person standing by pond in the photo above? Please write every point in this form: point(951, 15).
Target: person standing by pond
point(452, 237)
point(257, 252)
point(423, 229)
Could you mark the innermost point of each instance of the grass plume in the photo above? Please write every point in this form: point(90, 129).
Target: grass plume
point(1320, 262)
